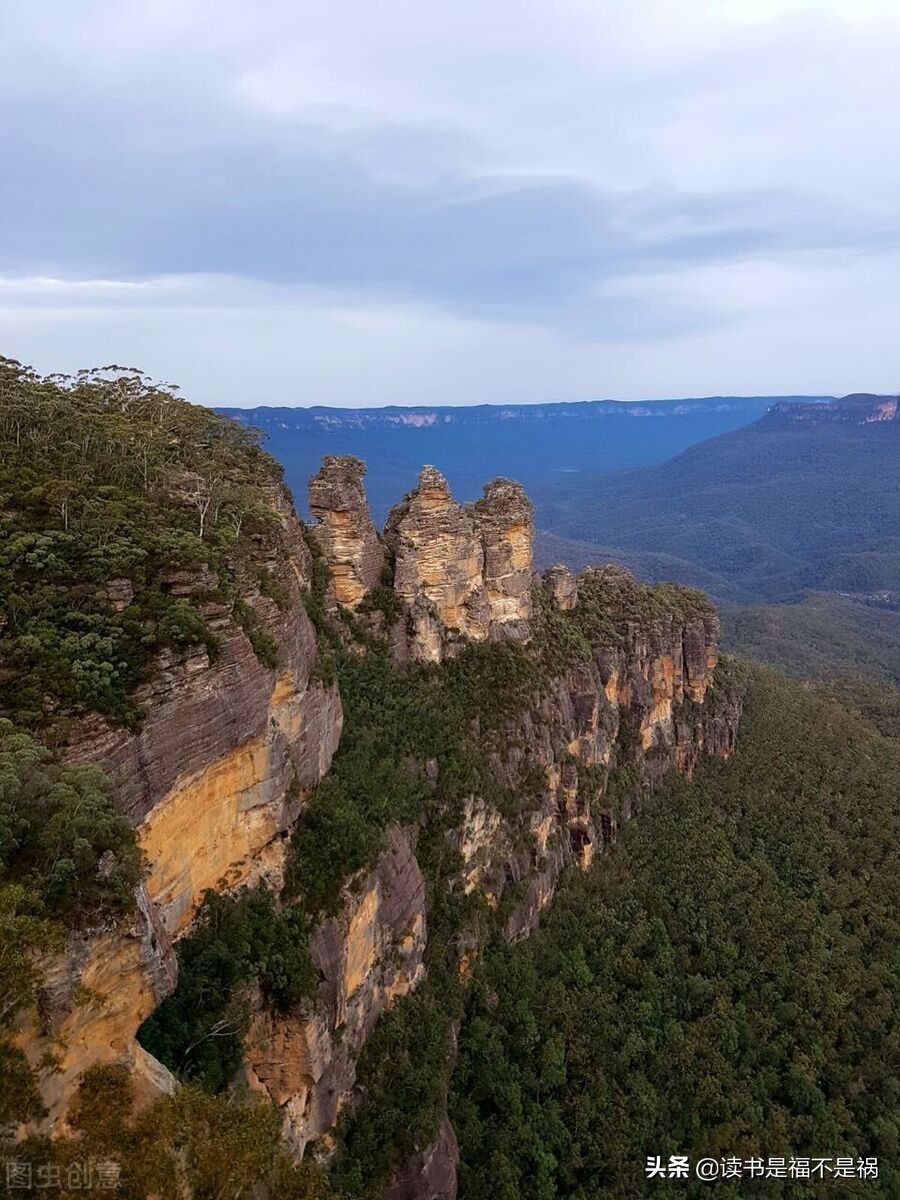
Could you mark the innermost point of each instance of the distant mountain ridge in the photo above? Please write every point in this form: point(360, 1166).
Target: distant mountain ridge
point(805, 498)
point(536, 444)
point(803, 505)
point(425, 416)
point(859, 408)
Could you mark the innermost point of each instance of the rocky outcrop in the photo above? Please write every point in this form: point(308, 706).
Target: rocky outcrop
point(460, 574)
point(345, 532)
point(366, 956)
point(562, 586)
point(504, 517)
point(228, 750)
point(585, 752)
point(431, 1174)
point(631, 706)
point(859, 408)
point(438, 568)
point(93, 997)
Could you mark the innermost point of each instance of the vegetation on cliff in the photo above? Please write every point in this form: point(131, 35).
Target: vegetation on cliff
point(109, 487)
point(721, 985)
point(416, 742)
point(123, 511)
point(67, 860)
point(725, 984)
point(186, 1145)
point(198, 1031)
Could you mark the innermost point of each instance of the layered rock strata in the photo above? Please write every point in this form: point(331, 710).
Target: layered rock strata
point(640, 700)
point(227, 752)
point(345, 532)
point(366, 957)
point(562, 586)
point(504, 518)
point(460, 573)
point(438, 568)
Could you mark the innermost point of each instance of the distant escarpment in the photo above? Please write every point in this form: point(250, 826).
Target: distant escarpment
point(803, 500)
point(348, 759)
point(859, 408)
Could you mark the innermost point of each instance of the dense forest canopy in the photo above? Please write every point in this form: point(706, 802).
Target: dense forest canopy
point(722, 982)
point(726, 984)
point(109, 483)
point(768, 512)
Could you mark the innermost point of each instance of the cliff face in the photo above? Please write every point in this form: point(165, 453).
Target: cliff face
point(438, 568)
point(621, 685)
point(859, 408)
point(461, 574)
point(641, 697)
point(94, 996)
point(227, 753)
point(643, 705)
point(505, 521)
point(366, 956)
point(345, 531)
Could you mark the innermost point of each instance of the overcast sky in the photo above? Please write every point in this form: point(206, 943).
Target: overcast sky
point(350, 202)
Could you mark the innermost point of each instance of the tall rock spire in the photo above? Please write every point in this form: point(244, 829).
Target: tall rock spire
point(504, 517)
point(345, 532)
point(438, 564)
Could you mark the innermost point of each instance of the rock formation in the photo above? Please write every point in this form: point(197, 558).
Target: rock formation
point(438, 567)
point(230, 750)
point(640, 699)
point(366, 956)
point(562, 586)
point(461, 574)
point(226, 755)
point(345, 532)
point(504, 517)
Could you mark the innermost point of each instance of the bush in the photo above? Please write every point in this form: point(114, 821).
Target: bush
point(197, 1031)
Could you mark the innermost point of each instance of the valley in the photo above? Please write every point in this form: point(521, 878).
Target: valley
point(286, 806)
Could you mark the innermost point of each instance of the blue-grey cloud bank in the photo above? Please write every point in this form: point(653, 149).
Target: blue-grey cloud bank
point(298, 203)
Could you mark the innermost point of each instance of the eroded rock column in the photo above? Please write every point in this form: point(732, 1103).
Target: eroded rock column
point(504, 517)
point(345, 532)
point(438, 565)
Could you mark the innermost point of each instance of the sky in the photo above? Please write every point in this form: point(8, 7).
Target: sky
point(411, 202)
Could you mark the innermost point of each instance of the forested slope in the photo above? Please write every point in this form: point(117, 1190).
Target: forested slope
point(344, 860)
point(725, 985)
point(797, 501)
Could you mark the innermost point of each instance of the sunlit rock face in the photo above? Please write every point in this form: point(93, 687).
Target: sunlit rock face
point(228, 751)
point(93, 997)
point(345, 532)
point(367, 956)
point(438, 563)
point(504, 517)
point(461, 574)
point(562, 586)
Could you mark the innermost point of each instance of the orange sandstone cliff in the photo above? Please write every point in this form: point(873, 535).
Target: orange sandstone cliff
point(230, 750)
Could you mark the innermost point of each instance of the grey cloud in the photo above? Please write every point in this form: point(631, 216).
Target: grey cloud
point(592, 181)
point(84, 194)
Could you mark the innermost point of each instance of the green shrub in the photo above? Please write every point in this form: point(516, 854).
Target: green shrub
point(197, 1031)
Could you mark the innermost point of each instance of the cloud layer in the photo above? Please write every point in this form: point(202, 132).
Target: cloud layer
point(357, 203)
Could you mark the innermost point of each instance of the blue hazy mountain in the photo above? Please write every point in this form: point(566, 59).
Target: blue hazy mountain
point(537, 444)
point(804, 499)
